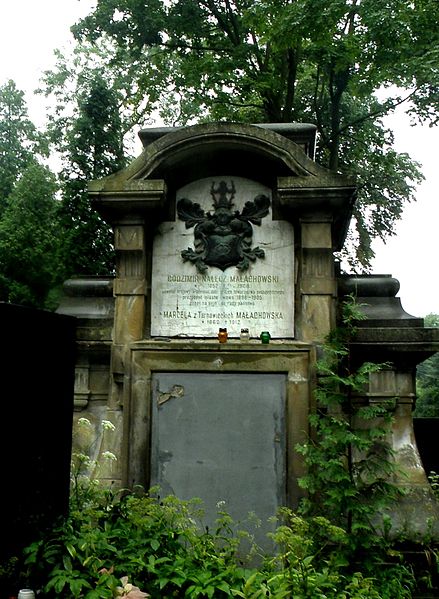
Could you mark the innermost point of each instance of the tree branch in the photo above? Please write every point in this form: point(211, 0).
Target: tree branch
point(388, 105)
point(237, 104)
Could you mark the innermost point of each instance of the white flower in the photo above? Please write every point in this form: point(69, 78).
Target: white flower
point(84, 422)
point(129, 590)
point(82, 458)
point(220, 504)
point(109, 455)
point(108, 426)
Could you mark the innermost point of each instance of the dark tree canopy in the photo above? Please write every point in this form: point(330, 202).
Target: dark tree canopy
point(20, 143)
point(47, 228)
point(319, 61)
point(31, 240)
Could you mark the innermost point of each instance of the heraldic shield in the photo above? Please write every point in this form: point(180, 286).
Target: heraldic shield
point(223, 238)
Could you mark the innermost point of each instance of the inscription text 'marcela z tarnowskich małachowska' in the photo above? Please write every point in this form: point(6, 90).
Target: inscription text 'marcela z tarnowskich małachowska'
point(223, 238)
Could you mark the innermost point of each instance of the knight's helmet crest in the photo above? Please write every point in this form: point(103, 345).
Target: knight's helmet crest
point(223, 195)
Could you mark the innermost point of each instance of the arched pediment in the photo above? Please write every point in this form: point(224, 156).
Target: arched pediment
point(177, 155)
point(203, 150)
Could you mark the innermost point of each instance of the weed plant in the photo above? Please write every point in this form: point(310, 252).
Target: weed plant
point(161, 548)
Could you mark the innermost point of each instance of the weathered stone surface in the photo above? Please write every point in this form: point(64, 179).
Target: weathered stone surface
point(88, 298)
point(317, 317)
point(212, 437)
point(316, 235)
point(415, 516)
point(293, 360)
point(303, 134)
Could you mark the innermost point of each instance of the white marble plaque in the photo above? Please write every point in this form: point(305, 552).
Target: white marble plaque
point(189, 303)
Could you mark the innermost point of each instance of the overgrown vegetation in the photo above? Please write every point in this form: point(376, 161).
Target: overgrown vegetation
point(163, 549)
point(335, 546)
point(349, 458)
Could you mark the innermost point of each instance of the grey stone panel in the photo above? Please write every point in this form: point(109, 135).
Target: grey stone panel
point(221, 437)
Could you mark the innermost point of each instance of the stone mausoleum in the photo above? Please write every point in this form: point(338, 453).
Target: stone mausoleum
point(231, 226)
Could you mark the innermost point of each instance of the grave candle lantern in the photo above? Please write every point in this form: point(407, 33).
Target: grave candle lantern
point(265, 337)
point(222, 335)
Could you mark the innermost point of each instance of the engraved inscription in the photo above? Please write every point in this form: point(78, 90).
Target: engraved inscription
point(232, 301)
point(194, 302)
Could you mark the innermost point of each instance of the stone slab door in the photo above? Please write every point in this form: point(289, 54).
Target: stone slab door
point(221, 437)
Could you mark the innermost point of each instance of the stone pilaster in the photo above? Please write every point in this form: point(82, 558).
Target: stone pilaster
point(131, 205)
point(316, 284)
point(130, 282)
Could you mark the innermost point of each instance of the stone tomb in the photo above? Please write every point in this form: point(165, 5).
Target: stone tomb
point(231, 226)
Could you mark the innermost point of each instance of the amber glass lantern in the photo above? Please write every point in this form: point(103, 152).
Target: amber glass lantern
point(222, 335)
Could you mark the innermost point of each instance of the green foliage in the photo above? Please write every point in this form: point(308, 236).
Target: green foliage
point(308, 564)
point(20, 142)
point(156, 543)
point(427, 380)
point(434, 482)
point(386, 180)
point(161, 547)
point(30, 240)
point(91, 143)
point(280, 61)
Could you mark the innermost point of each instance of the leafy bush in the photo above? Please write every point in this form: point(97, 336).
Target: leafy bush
point(160, 546)
point(156, 543)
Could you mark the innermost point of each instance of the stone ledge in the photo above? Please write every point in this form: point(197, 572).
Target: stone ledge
point(404, 347)
point(233, 345)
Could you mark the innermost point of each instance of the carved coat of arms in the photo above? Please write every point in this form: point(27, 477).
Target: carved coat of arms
point(223, 238)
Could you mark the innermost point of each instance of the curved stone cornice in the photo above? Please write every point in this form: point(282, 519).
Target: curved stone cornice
point(176, 148)
point(220, 138)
